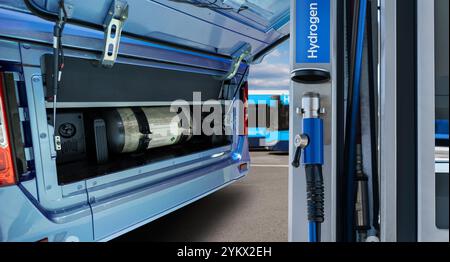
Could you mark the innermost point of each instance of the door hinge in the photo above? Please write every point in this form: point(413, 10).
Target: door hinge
point(114, 21)
point(242, 53)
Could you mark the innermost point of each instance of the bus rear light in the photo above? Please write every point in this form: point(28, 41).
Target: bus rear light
point(7, 176)
point(243, 167)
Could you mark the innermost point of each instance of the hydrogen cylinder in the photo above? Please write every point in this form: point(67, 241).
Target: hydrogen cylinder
point(136, 129)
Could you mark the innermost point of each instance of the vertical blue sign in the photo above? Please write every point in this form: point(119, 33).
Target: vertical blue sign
point(312, 31)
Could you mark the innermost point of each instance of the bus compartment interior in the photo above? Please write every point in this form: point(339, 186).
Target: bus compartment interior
point(91, 113)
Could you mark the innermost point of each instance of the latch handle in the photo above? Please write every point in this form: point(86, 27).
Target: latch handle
point(301, 142)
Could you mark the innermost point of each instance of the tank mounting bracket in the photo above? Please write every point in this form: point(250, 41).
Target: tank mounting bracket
point(114, 21)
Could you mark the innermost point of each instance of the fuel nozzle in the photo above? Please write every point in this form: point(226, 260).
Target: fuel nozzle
point(311, 140)
point(311, 143)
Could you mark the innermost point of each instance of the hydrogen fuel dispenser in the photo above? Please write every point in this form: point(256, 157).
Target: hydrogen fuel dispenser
point(363, 163)
point(312, 116)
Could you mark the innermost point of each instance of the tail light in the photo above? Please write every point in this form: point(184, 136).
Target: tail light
point(245, 102)
point(7, 176)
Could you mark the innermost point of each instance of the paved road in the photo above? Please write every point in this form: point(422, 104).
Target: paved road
point(252, 209)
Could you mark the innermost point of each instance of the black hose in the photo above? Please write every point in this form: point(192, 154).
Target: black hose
point(315, 193)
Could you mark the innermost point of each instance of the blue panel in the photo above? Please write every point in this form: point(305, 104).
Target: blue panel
point(22, 220)
point(268, 12)
point(9, 51)
point(312, 31)
point(200, 28)
point(28, 27)
point(150, 203)
point(118, 205)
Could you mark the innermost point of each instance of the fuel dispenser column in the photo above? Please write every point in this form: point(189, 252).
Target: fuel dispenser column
point(311, 177)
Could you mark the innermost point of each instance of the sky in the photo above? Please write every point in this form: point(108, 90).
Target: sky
point(273, 71)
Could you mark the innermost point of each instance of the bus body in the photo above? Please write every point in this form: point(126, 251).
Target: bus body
point(65, 175)
point(268, 129)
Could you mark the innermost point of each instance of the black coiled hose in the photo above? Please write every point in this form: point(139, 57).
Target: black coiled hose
point(315, 193)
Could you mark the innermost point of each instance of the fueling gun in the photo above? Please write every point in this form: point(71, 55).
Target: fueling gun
point(311, 143)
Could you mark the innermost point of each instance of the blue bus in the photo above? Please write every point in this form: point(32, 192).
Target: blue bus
point(269, 130)
point(85, 152)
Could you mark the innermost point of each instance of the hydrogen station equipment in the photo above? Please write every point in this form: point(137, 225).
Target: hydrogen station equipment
point(362, 117)
point(312, 92)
